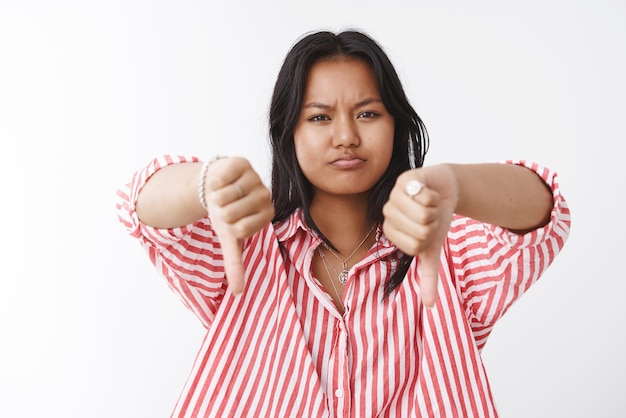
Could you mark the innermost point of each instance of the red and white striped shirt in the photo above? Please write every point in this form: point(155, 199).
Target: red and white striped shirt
point(282, 349)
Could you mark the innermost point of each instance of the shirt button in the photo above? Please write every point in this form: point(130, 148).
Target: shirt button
point(339, 393)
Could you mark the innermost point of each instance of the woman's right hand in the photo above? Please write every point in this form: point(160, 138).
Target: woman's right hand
point(239, 206)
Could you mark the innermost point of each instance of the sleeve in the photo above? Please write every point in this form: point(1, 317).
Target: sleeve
point(493, 266)
point(189, 257)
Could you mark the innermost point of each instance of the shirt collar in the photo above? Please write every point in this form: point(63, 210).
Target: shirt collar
point(287, 228)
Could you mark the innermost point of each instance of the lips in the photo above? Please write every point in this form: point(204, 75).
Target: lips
point(347, 161)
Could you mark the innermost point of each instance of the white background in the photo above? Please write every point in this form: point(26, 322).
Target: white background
point(91, 91)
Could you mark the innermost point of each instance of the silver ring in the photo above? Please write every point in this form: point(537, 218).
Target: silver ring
point(238, 190)
point(413, 188)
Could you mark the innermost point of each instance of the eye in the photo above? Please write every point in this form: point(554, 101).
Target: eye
point(319, 118)
point(367, 115)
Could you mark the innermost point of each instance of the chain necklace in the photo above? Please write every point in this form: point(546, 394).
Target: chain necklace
point(332, 282)
point(343, 276)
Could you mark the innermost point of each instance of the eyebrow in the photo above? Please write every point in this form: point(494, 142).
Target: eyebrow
point(362, 103)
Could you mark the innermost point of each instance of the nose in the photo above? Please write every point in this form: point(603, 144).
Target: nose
point(345, 133)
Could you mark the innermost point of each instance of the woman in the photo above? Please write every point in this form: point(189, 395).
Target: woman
point(363, 284)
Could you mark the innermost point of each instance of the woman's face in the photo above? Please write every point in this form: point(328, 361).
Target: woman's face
point(344, 134)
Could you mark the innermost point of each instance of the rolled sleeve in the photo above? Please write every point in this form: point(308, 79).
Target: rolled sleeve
point(494, 266)
point(559, 223)
point(127, 201)
point(189, 257)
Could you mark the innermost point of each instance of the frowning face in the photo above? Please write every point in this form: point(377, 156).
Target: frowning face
point(344, 134)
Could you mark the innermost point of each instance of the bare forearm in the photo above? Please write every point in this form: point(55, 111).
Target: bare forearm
point(170, 197)
point(510, 196)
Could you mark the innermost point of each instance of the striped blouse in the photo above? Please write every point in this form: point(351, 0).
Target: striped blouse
point(282, 349)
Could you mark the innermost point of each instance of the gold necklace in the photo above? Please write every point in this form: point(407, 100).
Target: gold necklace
point(343, 276)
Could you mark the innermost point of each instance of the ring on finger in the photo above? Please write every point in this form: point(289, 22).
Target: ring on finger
point(413, 187)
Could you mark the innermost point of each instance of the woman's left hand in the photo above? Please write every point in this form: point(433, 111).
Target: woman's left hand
point(419, 224)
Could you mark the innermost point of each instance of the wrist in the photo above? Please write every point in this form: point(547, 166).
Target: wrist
point(202, 192)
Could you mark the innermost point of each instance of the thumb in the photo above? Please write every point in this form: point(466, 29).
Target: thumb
point(430, 275)
point(231, 252)
point(233, 261)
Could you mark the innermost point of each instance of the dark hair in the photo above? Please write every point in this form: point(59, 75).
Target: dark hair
point(290, 188)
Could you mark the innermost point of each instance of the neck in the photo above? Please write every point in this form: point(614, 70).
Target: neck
point(343, 220)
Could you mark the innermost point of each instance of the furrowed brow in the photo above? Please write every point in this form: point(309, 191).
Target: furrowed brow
point(362, 103)
point(316, 105)
point(367, 102)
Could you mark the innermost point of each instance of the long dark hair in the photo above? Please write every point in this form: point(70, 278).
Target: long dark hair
point(290, 188)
